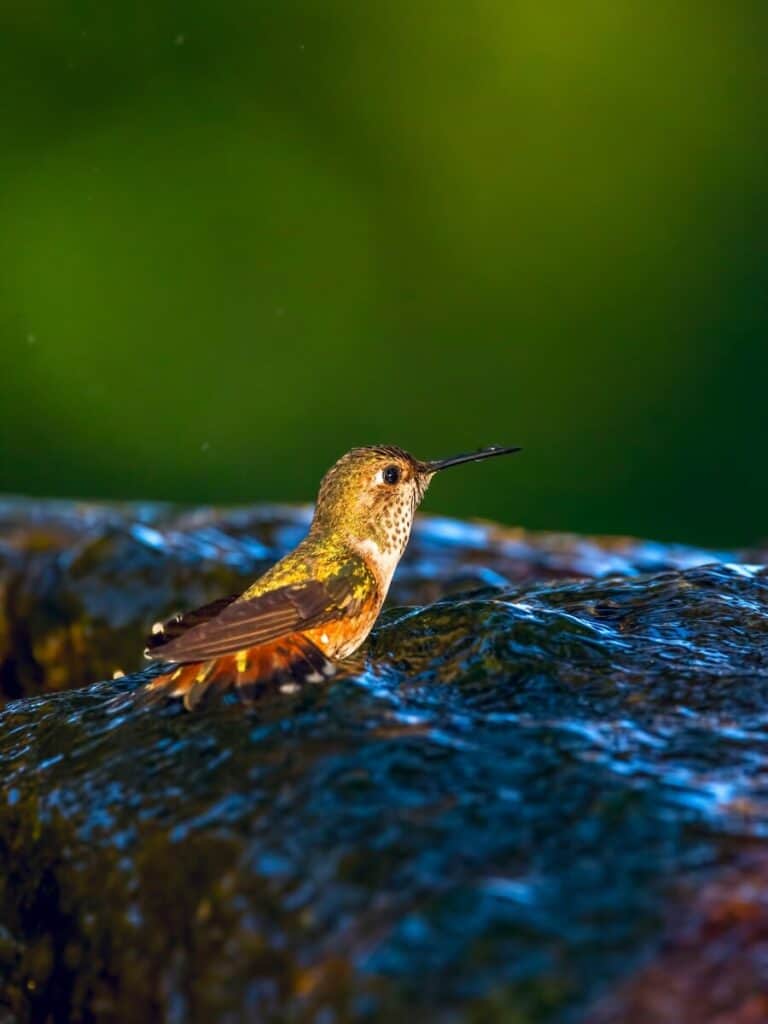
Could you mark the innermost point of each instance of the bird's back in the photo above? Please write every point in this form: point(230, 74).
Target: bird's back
point(317, 603)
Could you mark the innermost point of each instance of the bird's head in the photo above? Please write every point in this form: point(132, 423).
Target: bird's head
point(371, 494)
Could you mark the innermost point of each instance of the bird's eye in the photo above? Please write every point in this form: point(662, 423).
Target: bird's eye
point(391, 475)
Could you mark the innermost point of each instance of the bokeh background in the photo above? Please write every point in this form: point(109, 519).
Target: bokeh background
point(238, 238)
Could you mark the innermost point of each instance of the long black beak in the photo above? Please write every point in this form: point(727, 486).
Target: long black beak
point(457, 460)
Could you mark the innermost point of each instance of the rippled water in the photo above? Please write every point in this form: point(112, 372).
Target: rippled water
point(497, 819)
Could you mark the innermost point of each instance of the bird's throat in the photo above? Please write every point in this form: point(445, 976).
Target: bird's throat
point(382, 561)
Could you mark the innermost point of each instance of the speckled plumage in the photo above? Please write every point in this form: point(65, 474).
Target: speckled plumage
point(319, 602)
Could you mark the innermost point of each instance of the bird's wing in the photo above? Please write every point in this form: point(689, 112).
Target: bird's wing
point(171, 629)
point(234, 625)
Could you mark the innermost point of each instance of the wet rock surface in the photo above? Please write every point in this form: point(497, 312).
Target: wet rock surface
point(81, 583)
point(533, 803)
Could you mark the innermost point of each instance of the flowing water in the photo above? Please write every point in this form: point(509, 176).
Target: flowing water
point(508, 814)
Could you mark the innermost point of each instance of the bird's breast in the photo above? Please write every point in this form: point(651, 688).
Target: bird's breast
point(342, 636)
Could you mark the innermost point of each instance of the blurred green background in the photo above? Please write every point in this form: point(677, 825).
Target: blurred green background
point(238, 238)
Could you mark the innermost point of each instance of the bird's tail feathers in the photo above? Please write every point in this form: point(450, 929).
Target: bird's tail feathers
point(284, 665)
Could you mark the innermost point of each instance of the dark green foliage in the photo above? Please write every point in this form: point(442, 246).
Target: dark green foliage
point(240, 237)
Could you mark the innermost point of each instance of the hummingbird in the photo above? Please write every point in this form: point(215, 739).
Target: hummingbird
point(318, 604)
